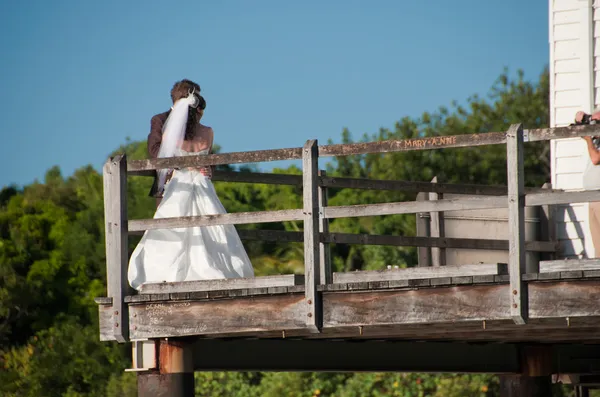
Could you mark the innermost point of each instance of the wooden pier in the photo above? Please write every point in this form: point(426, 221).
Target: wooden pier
point(533, 321)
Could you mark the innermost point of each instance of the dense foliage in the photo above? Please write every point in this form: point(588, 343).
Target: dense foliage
point(52, 257)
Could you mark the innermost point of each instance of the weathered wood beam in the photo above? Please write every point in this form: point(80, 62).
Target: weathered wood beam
point(437, 229)
point(256, 156)
point(569, 265)
point(237, 218)
point(516, 223)
point(442, 242)
point(471, 203)
point(454, 141)
point(312, 216)
point(284, 280)
point(560, 299)
point(423, 231)
point(413, 273)
point(115, 215)
point(543, 198)
point(415, 186)
point(411, 207)
point(324, 248)
point(540, 330)
point(546, 134)
point(405, 145)
point(188, 318)
point(448, 141)
point(106, 321)
point(547, 226)
point(460, 332)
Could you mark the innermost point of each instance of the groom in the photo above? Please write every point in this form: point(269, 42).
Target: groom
point(181, 89)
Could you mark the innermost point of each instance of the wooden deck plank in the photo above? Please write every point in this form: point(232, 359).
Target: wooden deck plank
point(224, 284)
point(414, 273)
point(569, 265)
point(420, 283)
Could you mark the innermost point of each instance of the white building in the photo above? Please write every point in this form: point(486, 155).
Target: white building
point(574, 37)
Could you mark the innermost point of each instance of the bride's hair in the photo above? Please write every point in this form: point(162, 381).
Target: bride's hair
point(182, 89)
point(193, 118)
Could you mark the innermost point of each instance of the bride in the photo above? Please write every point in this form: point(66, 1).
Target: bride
point(196, 253)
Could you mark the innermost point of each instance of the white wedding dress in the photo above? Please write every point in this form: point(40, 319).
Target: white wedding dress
point(185, 254)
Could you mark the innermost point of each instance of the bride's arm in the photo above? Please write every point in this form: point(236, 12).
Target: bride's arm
point(209, 169)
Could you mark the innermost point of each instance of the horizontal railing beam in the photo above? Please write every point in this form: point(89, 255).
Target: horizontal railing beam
point(455, 141)
point(407, 145)
point(412, 207)
point(441, 242)
point(546, 134)
point(237, 218)
point(256, 156)
point(349, 211)
point(347, 149)
point(458, 204)
point(417, 187)
point(554, 198)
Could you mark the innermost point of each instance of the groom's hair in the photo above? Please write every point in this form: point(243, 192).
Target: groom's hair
point(182, 88)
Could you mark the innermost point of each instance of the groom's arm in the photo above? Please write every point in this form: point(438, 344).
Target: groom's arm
point(155, 136)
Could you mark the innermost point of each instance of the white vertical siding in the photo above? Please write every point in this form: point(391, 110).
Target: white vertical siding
point(574, 61)
point(596, 51)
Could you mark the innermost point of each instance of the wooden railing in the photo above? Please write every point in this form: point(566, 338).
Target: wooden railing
point(316, 213)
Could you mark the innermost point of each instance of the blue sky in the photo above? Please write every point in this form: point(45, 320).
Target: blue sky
point(78, 77)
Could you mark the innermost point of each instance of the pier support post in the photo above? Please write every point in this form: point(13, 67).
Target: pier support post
point(535, 379)
point(175, 374)
point(525, 386)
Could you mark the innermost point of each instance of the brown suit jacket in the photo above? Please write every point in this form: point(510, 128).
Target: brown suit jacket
point(154, 140)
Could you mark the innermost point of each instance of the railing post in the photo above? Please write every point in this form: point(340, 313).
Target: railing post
point(437, 229)
point(115, 218)
point(516, 223)
point(423, 230)
point(547, 228)
point(310, 192)
point(326, 276)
